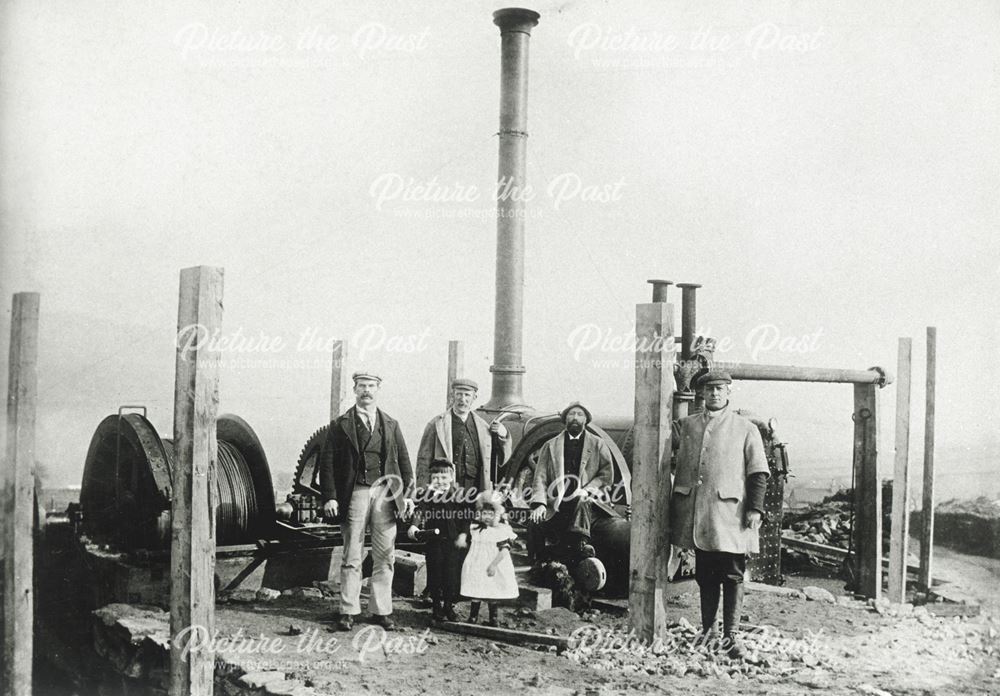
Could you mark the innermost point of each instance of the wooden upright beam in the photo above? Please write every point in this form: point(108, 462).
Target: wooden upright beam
point(456, 366)
point(192, 551)
point(927, 517)
point(901, 477)
point(867, 543)
point(19, 498)
point(650, 536)
point(338, 385)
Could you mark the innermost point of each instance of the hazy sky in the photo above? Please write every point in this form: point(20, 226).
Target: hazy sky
point(828, 171)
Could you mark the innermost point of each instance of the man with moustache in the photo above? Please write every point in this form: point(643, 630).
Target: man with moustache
point(572, 469)
point(463, 438)
point(718, 502)
point(366, 480)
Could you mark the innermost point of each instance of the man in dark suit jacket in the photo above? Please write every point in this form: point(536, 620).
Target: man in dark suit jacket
point(365, 474)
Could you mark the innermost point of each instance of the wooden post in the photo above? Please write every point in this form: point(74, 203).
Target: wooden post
point(867, 492)
point(192, 551)
point(927, 518)
point(650, 537)
point(338, 385)
point(19, 498)
point(456, 366)
point(901, 478)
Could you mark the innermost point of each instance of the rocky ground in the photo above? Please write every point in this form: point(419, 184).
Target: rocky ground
point(826, 642)
point(808, 637)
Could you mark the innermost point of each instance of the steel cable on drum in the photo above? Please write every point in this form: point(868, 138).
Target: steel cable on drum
point(237, 506)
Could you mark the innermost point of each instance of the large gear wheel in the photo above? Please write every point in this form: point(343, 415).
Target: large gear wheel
point(306, 479)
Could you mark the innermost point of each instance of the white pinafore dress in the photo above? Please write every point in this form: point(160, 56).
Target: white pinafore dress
point(483, 548)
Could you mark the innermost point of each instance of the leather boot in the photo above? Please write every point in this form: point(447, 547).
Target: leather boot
point(732, 607)
point(709, 607)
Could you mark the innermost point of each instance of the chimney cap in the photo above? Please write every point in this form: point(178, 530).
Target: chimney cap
point(516, 19)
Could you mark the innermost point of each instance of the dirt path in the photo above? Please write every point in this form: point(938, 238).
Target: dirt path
point(802, 647)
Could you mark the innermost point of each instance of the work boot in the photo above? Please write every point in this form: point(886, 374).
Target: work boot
point(385, 621)
point(732, 606)
point(707, 638)
point(345, 622)
point(709, 595)
point(448, 612)
point(580, 547)
point(734, 647)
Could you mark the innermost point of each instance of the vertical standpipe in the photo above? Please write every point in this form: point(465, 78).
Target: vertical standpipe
point(689, 313)
point(515, 30)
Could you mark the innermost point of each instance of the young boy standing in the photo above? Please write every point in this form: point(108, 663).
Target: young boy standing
point(443, 517)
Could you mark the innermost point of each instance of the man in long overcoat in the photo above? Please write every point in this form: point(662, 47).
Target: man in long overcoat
point(718, 501)
point(462, 437)
point(573, 468)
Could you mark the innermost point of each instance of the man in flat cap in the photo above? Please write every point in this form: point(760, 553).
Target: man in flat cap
point(462, 437)
point(718, 502)
point(572, 469)
point(366, 480)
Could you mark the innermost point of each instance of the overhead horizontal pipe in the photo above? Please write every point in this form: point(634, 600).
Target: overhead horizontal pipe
point(791, 373)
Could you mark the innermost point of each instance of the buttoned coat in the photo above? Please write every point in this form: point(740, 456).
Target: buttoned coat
point(340, 460)
point(717, 454)
point(596, 470)
point(436, 443)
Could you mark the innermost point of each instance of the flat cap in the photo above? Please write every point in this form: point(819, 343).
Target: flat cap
point(576, 404)
point(366, 374)
point(714, 376)
point(464, 382)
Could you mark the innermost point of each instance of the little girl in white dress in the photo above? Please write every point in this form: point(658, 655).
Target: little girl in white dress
point(488, 571)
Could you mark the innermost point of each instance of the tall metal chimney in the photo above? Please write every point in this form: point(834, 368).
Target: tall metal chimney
point(515, 30)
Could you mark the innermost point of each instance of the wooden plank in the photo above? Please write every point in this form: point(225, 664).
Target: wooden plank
point(649, 536)
point(615, 607)
point(507, 635)
point(953, 604)
point(19, 498)
point(338, 383)
point(948, 609)
point(900, 529)
point(835, 553)
point(456, 366)
point(773, 589)
point(927, 518)
point(192, 552)
point(867, 492)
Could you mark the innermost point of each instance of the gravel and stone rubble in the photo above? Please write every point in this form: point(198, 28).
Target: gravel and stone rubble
point(814, 660)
